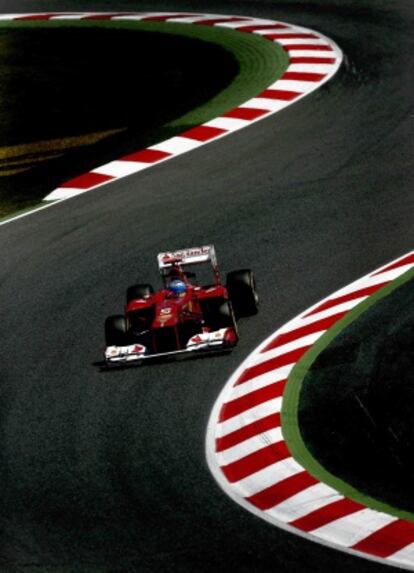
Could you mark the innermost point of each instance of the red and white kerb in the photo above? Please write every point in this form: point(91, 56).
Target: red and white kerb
point(251, 461)
point(314, 59)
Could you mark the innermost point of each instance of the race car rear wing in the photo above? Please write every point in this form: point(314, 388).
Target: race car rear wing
point(187, 257)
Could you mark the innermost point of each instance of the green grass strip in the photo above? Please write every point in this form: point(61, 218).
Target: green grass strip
point(261, 61)
point(290, 407)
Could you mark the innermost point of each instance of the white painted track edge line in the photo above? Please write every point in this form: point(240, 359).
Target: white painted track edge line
point(32, 211)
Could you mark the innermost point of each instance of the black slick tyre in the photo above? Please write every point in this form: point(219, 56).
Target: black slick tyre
point(241, 287)
point(116, 331)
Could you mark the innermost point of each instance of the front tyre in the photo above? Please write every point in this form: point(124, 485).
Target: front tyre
point(241, 287)
point(116, 331)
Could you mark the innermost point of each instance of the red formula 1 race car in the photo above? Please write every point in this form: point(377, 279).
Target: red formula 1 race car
point(194, 312)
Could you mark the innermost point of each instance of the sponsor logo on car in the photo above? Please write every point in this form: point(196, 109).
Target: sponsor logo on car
point(166, 310)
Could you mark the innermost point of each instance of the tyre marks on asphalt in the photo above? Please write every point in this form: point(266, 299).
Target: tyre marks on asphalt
point(251, 461)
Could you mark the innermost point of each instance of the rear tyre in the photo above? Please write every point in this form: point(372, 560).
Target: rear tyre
point(241, 286)
point(139, 291)
point(116, 331)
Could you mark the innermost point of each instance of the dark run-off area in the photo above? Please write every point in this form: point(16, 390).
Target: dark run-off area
point(356, 402)
point(63, 90)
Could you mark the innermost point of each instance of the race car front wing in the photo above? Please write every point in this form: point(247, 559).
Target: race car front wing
point(134, 354)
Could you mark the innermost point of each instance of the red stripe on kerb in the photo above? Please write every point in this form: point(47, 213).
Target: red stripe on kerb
point(203, 133)
point(247, 113)
point(281, 491)
point(248, 431)
point(311, 60)
point(255, 462)
point(311, 47)
point(327, 514)
point(284, 95)
point(250, 400)
point(303, 76)
point(147, 156)
point(253, 28)
point(408, 260)
point(87, 181)
point(346, 298)
point(388, 540)
point(318, 326)
point(37, 17)
point(214, 21)
point(272, 364)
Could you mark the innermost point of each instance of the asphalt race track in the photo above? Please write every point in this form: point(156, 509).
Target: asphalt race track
point(106, 471)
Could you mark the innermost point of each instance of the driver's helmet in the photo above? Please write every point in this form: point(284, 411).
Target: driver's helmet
point(178, 287)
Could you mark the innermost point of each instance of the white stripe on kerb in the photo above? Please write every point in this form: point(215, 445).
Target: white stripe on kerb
point(135, 17)
point(266, 31)
point(141, 15)
point(294, 86)
point(303, 503)
point(304, 41)
point(188, 20)
point(267, 477)
point(252, 22)
point(228, 123)
point(280, 351)
point(249, 446)
point(311, 68)
point(311, 53)
point(266, 103)
point(69, 17)
point(404, 556)
point(303, 320)
point(395, 272)
point(352, 528)
point(7, 17)
point(252, 415)
point(259, 382)
point(335, 309)
point(64, 193)
point(177, 145)
point(121, 168)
